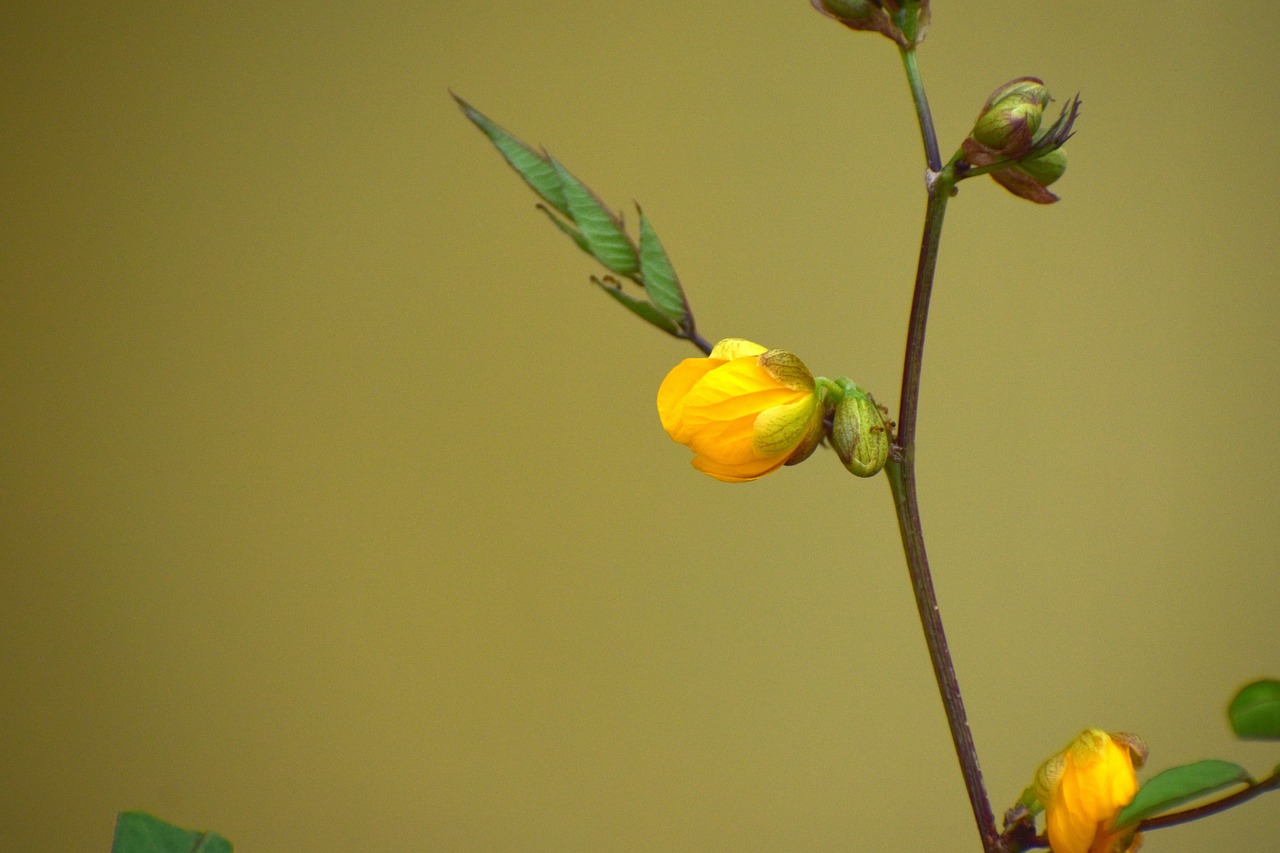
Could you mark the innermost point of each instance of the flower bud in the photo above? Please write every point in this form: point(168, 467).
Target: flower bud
point(904, 22)
point(1085, 786)
point(1009, 120)
point(744, 411)
point(1031, 177)
point(859, 435)
point(1045, 168)
point(852, 13)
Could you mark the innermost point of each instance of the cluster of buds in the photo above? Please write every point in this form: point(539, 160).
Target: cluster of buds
point(904, 21)
point(1009, 140)
point(745, 411)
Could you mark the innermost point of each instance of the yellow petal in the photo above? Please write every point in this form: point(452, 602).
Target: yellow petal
point(728, 442)
point(738, 473)
point(707, 405)
point(731, 348)
point(676, 385)
point(738, 376)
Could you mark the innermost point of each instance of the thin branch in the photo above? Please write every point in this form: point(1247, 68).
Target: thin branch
point(927, 133)
point(901, 471)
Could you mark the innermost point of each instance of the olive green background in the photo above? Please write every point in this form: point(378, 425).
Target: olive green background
point(334, 509)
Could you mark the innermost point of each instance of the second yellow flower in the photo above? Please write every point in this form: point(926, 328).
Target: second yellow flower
point(744, 410)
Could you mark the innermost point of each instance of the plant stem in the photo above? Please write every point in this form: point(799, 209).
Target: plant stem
point(901, 469)
point(931, 155)
point(935, 210)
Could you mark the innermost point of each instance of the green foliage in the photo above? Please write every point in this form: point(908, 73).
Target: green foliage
point(535, 168)
point(599, 226)
point(577, 212)
point(139, 832)
point(660, 280)
point(568, 230)
point(1255, 711)
point(642, 309)
point(1179, 785)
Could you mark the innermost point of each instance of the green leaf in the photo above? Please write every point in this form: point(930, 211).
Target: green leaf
point(602, 230)
point(574, 234)
point(535, 168)
point(660, 280)
point(1255, 711)
point(1178, 785)
point(139, 832)
point(641, 308)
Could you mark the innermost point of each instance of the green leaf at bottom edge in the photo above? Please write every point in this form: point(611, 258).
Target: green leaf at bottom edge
point(139, 832)
point(1179, 785)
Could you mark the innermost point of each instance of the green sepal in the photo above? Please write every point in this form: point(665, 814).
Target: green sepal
point(535, 168)
point(1030, 800)
point(1179, 785)
point(603, 231)
point(1255, 711)
point(639, 307)
point(787, 369)
point(139, 832)
point(660, 280)
point(573, 233)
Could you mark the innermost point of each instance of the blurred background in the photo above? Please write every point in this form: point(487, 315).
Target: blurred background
point(334, 509)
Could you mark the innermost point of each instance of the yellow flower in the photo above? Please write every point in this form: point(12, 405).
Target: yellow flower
point(744, 411)
point(1082, 789)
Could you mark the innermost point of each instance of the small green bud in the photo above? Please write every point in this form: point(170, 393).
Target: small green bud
point(1045, 168)
point(1031, 177)
point(859, 434)
point(1009, 120)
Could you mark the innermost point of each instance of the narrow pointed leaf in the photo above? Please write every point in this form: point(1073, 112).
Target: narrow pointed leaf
point(1178, 785)
point(139, 832)
point(605, 237)
point(1255, 711)
point(660, 280)
point(535, 168)
point(640, 308)
point(574, 234)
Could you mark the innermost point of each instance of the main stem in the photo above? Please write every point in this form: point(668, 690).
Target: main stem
point(901, 470)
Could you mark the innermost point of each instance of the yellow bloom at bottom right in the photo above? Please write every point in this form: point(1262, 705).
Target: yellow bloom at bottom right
point(1082, 789)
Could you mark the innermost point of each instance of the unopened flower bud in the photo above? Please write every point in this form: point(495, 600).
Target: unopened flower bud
point(847, 10)
point(1031, 177)
point(744, 411)
point(904, 22)
point(1009, 120)
point(1045, 168)
point(1085, 786)
point(859, 434)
